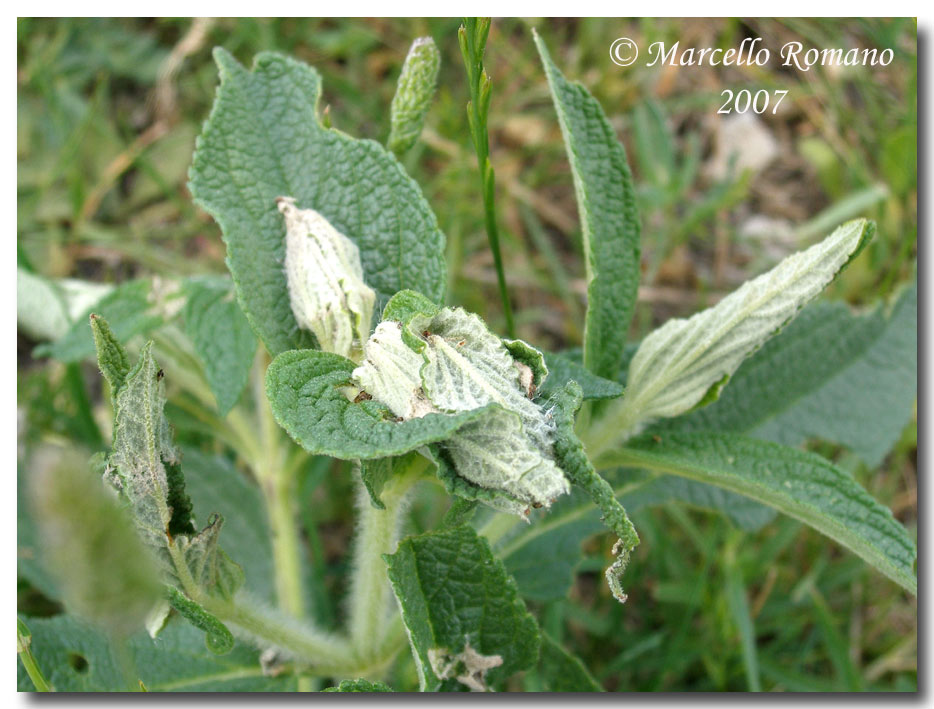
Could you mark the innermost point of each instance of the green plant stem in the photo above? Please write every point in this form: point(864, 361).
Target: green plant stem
point(277, 479)
point(322, 652)
point(377, 534)
point(472, 36)
point(23, 640)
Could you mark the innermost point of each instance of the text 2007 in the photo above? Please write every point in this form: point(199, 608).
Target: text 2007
point(743, 100)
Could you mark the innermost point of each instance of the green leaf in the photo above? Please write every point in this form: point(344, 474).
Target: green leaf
point(222, 338)
point(304, 389)
point(376, 473)
point(414, 91)
point(77, 658)
point(610, 227)
point(263, 140)
point(359, 685)
point(207, 563)
point(105, 573)
point(216, 485)
point(217, 637)
point(466, 623)
point(799, 484)
point(831, 374)
point(111, 356)
point(577, 466)
point(127, 311)
point(562, 671)
point(142, 447)
point(562, 369)
point(685, 361)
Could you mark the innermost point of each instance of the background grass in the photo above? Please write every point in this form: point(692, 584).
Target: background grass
point(108, 111)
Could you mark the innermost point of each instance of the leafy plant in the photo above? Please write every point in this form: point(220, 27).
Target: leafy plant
point(337, 266)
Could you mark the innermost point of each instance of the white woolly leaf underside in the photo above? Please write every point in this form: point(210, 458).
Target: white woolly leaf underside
point(325, 278)
point(462, 367)
point(677, 365)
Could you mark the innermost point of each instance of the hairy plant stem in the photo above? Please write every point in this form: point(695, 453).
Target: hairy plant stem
point(472, 36)
point(377, 534)
point(278, 481)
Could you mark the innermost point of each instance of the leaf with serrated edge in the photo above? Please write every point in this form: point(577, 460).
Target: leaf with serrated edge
point(142, 445)
point(577, 466)
point(222, 338)
point(831, 374)
point(463, 615)
point(562, 369)
point(263, 140)
point(606, 201)
point(797, 483)
point(305, 393)
point(676, 365)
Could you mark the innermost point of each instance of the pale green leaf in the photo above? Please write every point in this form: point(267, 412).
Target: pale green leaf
point(222, 338)
point(606, 202)
point(305, 392)
point(831, 374)
point(414, 92)
point(263, 141)
point(128, 311)
point(448, 361)
point(466, 623)
point(797, 483)
point(88, 541)
point(679, 364)
point(142, 448)
point(112, 358)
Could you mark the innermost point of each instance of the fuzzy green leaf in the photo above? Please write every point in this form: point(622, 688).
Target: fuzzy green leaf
point(105, 573)
point(142, 447)
point(831, 374)
point(467, 625)
point(413, 96)
point(217, 637)
point(304, 389)
point(111, 356)
point(215, 484)
point(359, 685)
point(799, 484)
point(679, 365)
point(263, 140)
point(562, 369)
point(577, 466)
point(606, 201)
point(127, 310)
point(222, 338)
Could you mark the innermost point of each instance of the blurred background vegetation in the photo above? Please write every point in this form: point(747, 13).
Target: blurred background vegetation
point(108, 111)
